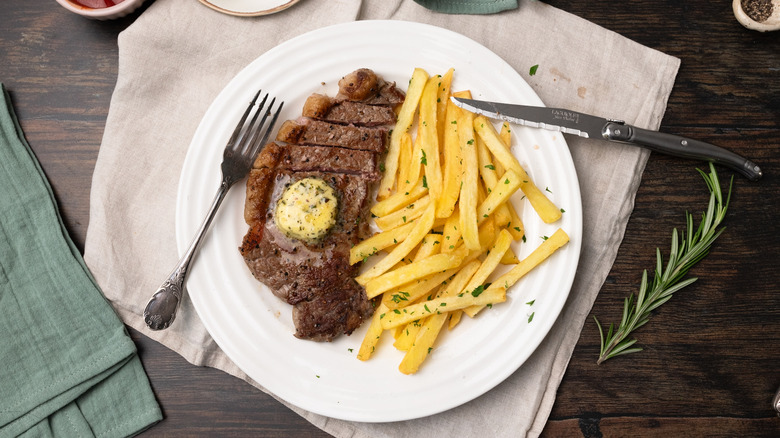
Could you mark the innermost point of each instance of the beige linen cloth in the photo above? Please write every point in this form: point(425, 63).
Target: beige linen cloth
point(178, 55)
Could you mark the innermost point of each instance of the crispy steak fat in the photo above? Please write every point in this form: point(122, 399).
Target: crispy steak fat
point(337, 141)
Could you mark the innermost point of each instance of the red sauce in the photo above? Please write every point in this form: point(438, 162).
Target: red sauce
point(97, 4)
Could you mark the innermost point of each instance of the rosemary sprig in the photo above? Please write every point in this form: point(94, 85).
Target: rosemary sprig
point(682, 256)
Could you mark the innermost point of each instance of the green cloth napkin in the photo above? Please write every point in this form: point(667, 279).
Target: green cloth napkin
point(68, 366)
point(468, 6)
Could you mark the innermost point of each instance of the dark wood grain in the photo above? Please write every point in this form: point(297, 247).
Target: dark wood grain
point(710, 364)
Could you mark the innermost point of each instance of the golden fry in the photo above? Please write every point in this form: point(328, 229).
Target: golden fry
point(372, 336)
point(468, 189)
point(394, 318)
point(430, 245)
point(403, 216)
point(453, 163)
point(489, 176)
point(416, 235)
point(429, 138)
point(378, 242)
point(408, 334)
point(546, 210)
point(540, 254)
point(403, 123)
point(430, 327)
point(413, 271)
point(499, 194)
point(506, 134)
point(441, 102)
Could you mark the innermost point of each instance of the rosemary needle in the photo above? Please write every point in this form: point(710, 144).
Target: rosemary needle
point(682, 256)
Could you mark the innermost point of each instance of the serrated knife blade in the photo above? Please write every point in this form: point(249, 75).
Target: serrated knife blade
point(588, 126)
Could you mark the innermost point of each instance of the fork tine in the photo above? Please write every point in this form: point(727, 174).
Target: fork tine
point(241, 143)
point(255, 126)
point(257, 140)
point(240, 123)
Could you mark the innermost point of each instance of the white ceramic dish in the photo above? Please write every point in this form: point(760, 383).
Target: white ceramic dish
point(249, 8)
point(117, 11)
point(254, 327)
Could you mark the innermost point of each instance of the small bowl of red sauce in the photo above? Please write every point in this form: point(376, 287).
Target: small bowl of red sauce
point(101, 9)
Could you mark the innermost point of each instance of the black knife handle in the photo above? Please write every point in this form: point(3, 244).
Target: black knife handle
point(682, 147)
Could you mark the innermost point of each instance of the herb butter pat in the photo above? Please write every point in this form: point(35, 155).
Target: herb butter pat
point(307, 209)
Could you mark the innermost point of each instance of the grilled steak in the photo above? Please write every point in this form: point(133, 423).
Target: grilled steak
point(337, 144)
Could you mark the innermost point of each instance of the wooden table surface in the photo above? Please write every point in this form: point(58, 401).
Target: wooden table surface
point(711, 359)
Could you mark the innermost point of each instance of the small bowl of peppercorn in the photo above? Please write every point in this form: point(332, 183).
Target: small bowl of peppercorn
point(101, 9)
point(760, 15)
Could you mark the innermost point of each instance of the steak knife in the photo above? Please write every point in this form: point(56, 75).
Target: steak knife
point(588, 126)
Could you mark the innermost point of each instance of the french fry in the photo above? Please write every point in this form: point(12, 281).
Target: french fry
point(413, 271)
point(403, 123)
point(510, 258)
point(453, 163)
point(516, 227)
point(454, 319)
point(546, 210)
point(430, 245)
point(423, 344)
point(506, 134)
point(405, 215)
point(394, 318)
point(405, 156)
point(499, 194)
point(416, 234)
point(372, 336)
point(429, 138)
point(451, 232)
point(489, 176)
point(540, 254)
point(415, 168)
point(429, 328)
point(441, 102)
point(398, 200)
point(378, 242)
point(408, 334)
point(491, 262)
point(410, 292)
point(468, 189)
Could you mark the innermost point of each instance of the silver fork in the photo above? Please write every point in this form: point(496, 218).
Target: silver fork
point(245, 143)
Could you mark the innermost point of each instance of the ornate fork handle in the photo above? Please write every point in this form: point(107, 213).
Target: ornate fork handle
point(248, 138)
point(161, 309)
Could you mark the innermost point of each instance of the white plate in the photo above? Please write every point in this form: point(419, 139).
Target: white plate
point(249, 8)
point(254, 327)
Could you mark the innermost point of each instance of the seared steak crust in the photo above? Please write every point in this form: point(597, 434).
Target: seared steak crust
point(316, 277)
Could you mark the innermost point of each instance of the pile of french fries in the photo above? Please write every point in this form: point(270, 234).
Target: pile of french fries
point(446, 221)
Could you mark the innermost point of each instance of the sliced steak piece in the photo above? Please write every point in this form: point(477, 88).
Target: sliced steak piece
point(318, 133)
point(321, 107)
